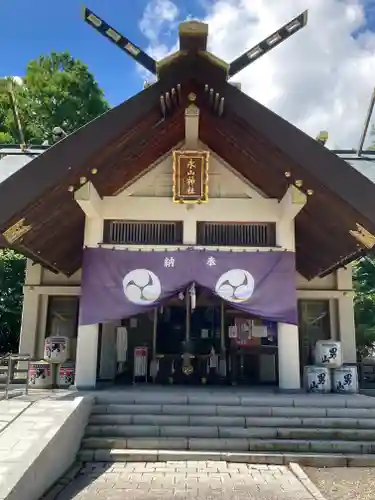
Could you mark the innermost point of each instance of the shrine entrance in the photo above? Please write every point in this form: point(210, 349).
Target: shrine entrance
point(204, 343)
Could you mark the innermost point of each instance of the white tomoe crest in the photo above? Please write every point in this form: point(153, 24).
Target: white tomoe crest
point(236, 285)
point(142, 287)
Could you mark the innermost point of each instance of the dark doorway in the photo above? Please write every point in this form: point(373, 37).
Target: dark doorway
point(314, 325)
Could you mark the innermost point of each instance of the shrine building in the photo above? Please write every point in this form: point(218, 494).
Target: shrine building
point(190, 225)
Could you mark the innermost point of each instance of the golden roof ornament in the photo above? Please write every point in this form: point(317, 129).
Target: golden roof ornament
point(364, 237)
point(16, 231)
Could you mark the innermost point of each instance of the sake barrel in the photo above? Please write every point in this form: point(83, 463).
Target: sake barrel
point(328, 353)
point(40, 375)
point(67, 373)
point(345, 379)
point(56, 349)
point(317, 379)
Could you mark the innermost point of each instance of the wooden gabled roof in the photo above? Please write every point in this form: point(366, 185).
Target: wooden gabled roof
point(122, 144)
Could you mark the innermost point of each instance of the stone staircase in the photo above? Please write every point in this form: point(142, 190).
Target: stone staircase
point(138, 424)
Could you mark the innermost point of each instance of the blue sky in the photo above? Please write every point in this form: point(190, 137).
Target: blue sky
point(321, 79)
point(30, 28)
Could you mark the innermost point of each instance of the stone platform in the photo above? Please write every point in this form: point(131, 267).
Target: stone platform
point(39, 440)
point(149, 423)
point(235, 427)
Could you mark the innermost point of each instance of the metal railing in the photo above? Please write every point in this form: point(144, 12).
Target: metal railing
point(14, 370)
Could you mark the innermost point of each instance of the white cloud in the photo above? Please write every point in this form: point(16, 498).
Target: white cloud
point(320, 79)
point(17, 80)
point(158, 19)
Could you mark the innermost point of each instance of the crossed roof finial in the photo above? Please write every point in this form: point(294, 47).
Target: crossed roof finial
point(193, 38)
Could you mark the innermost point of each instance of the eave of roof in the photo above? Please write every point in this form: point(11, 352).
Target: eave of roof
point(64, 160)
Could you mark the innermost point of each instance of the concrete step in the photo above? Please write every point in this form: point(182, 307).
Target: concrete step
point(183, 431)
point(233, 411)
point(230, 444)
point(230, 397)
point(278, 458)
point(187, 431)
point(225, 421)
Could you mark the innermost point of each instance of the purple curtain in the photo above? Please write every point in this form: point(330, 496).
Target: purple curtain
point(122, 283)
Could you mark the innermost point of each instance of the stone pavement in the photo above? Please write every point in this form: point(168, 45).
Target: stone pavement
point(184, 480)
point(33, 429)
point(10, 410)
point(341, 483)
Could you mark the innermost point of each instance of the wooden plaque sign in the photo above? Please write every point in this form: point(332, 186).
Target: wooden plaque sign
point(190, 176)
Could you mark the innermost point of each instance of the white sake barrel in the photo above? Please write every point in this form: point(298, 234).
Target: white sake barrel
point(67, 373)
point(328, 353)
point(345, 379)
point(40, 375)
point(317, 379)
point(56, 349)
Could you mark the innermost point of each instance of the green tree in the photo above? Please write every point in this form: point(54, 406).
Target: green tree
point(6, 136)
point(12, 274)
point(364, 301)
point(57, 91)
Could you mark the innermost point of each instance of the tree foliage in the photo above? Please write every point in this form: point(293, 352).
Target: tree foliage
point(57, 91)
point(364, 286)
point(6, 134)
point(12, 274)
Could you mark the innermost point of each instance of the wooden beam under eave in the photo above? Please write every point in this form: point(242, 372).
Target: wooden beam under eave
point(292, 203)
point(89, 200)
point(131, 161)
point(219, 139)
point(306, 262)
point(324, 246)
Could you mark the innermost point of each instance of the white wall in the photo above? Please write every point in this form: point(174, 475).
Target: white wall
point(224, 182)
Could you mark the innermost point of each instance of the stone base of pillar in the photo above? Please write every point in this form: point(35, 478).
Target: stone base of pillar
point(290, 391)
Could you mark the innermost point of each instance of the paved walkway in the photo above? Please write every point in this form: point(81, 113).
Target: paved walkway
point(341, 483)
point(10, 410)
point(184, 480)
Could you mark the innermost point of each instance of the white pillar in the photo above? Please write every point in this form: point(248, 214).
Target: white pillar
point(288, 335)
point(347, 329)
point(30, 310)
point(87, 354)
point(346, 315)
point(189, 236)
point(88, 335)
point(289, 362)
point(29, 323)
